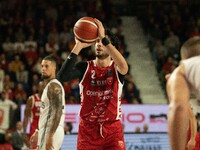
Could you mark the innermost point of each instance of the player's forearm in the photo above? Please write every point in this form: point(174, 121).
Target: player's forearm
point(55, 121)
point(64, 74)
point(118, 59)
point(25, 123)
point(177, 127)
point(77, 48)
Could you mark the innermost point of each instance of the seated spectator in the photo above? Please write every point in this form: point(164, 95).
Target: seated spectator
point(195, 32)
point(131, 93)
point(16, 64)
point(4, 61)
point(31, 53)
point(8, 47)
point(68, 128)
point(30, 42)
point(17, 137)
point(22, 74)
point(20, 95)
point(8, 81)
point(2, 74)
point(7, 144)
point(51, 45)
point(6, 106)
point(71, 99)
point(167, 68)
point(172, 43)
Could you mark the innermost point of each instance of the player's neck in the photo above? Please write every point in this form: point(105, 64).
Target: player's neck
point(103, 62)
point(46, 81)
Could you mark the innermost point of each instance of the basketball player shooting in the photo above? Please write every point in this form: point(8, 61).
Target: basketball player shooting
point(183, 81)
point(101, 83)
point(50, 133)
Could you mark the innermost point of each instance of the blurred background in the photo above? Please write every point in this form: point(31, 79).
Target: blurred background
point(150, 31)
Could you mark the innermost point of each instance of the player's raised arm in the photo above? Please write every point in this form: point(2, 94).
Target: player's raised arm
point(120, 61)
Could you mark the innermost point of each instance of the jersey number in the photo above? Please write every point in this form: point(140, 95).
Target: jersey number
point(93, 74)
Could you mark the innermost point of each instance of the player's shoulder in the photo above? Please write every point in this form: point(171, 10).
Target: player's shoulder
point(54, 86)
point(177, 74)
point(31, 97)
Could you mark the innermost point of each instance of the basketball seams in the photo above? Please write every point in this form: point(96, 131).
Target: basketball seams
point(84, 39)
point(87, 21)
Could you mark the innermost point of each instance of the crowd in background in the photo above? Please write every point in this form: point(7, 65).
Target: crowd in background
point(33, 29)
point(30, 30)
point(167, 26)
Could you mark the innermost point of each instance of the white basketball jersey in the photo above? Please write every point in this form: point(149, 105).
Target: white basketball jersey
point(45, 109)
point(192, 73)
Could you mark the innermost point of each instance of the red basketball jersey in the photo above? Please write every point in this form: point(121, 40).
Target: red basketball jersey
point(100, 90)
point(35, 113)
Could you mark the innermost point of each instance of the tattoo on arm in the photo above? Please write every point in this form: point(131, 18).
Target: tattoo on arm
point(55, 109)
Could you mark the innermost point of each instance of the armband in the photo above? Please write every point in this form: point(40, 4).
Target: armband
point(105, 41)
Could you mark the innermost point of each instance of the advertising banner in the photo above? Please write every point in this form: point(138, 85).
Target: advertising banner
point(135, 118)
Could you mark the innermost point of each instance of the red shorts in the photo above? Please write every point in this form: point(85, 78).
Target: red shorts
point(197, 146)
point(105, 136)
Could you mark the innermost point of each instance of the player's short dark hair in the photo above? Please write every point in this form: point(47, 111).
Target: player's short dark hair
point(113, 38)
point(51, 58)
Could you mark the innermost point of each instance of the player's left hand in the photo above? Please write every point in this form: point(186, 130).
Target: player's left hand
point(26, 139)
point(190, 144)
point(101, 29)
point(49, 143)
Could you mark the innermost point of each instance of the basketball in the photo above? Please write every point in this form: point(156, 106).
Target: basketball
point(86, 30)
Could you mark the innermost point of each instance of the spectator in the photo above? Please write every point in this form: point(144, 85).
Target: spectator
point(30, 43)
point(9, 92)
point(172, 43)
point(68, 128)
point(71, 99)
point(8, 81)
point(51, 45)
point(3, 61)
point(20, 95)
point(31, 53)
point(16, 64)
point(131, 93)
point(2, 74)
point(145, 128)
point(8, 47)
point(22, 74)
point(6, 106)
point(17, 137)
point(195, 32)
point(159, 54)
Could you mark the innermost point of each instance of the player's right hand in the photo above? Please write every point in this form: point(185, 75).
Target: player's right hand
point(26, 139)
point(33, 140)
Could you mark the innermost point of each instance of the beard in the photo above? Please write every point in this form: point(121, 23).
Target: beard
point(44, 77)
point(102, 56)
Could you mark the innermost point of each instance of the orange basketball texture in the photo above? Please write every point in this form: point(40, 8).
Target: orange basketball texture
point(86, 30)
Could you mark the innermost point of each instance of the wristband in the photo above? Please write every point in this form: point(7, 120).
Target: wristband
point(105, 41)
